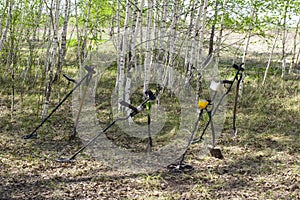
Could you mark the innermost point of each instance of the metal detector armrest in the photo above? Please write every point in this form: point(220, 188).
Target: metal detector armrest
point(227, 82)
point(128, 105)
point(136, 110)
point(90, 69)
point(150, 95)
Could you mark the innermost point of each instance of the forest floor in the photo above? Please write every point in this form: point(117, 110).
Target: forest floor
point(262, 162)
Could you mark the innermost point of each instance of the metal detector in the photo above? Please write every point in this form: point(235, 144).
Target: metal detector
point(203, 105)
point(237, 77)
point(208, 106)
point(135, 111)
point(87, 77)
point(214, 151)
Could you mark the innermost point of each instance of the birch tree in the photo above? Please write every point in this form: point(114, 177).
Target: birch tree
point(63, 49)
point(294, 51)
point(284, 35)
point(200, 52)
point(220, 35)
point(148, 61)
point(246, 45)
point(194, 44)
point(270, 57)
point(7, 23)
point(52, 57)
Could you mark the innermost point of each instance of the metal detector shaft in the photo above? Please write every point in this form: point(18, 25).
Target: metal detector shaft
point(234, 131)
point(33, 133)
point(191, 137)
point(205, 128)
point(149, 144)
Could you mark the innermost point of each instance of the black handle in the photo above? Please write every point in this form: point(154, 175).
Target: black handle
point(69, 79)
point(238, 67)
point(227, 82)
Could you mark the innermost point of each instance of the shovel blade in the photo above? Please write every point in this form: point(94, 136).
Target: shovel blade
point(216, 152)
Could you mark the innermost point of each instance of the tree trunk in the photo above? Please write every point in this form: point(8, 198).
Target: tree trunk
point(293, 61)
point(246, 46)
point(137, 14)
point(78, 34)
point(53, 58)
point(171, 43)
point(37, 22)
point(193, 58)
point(147, 62)
point(63, 49)
point(220, 35)
point(270, 57)
point(213, 28)
point(284, 35)
point(189, 44)
point(123, 51)
point(7, 24)
point(85, 29)
point(200, 53)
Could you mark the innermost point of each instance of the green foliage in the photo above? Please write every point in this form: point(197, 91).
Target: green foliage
point(72, 43)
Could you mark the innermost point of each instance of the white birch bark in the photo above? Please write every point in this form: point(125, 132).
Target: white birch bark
point(37, 22)
point(270, 58)
point(53, 59)
point(189, 44)
point(133, 22)
point(147, 62)
point(47, 60)
point(63, 46)
point(200, 49)
point(162, 31)
point(284, 35)
point(293, 61)
point(118, 40)
point(172, 41)
point(122, 60)
point(194, 43)
point(135, 27)
point(85, 30)
point(161, 34)
point(7, 24)
point(220, 35)
point(246, 46)
point(78, 38)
